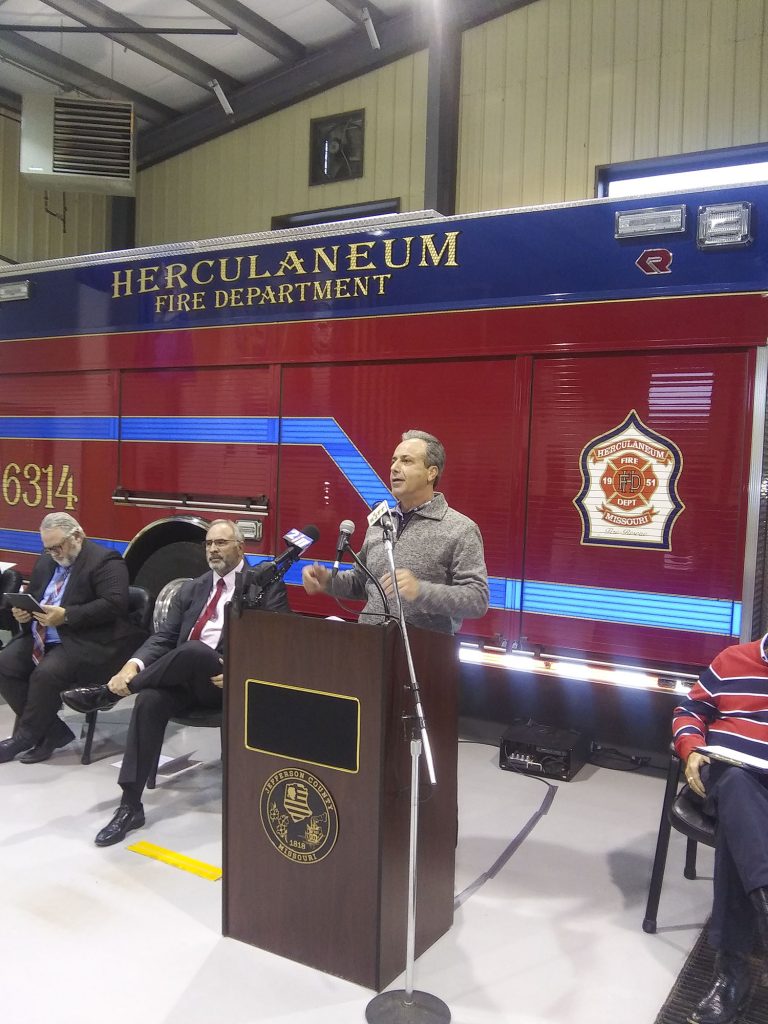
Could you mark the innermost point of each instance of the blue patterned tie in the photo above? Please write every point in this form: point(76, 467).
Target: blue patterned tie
point(38, 629)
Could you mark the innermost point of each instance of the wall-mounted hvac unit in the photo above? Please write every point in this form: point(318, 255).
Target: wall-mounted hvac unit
point(78, 145)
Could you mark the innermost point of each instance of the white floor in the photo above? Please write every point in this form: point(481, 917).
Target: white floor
point(90, 935)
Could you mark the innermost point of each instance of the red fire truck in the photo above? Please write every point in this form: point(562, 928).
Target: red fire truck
point(597, 372)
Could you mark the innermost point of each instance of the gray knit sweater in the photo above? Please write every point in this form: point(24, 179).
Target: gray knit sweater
point(444, 550)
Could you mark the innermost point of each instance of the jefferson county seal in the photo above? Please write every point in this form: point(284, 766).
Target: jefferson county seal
point(299, 815)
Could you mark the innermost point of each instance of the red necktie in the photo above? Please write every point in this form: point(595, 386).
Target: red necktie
point(209, 611)
point(38, 629)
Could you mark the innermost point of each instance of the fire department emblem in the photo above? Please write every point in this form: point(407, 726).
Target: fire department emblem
point(629, 494)
point(299, 815)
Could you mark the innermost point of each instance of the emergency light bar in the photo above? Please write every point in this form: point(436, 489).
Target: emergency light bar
point(724, 224)
point(663, 220)
point(12, 291)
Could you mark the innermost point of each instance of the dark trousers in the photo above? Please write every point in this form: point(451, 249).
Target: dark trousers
point(738, 799)
point(33, 691)
point(176, 682)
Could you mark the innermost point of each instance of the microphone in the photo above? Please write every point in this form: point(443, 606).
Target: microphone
point(346, 529)
point(382, 514)
point(267, 573)
point(379, 510)
point(298, 541)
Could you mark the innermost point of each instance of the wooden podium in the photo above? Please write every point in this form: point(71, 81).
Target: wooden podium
point(316, 791)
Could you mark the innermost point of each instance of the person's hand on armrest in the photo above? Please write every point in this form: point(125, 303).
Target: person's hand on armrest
point(693, 771)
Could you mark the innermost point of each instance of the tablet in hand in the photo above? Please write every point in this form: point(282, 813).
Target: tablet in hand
point(24, 601)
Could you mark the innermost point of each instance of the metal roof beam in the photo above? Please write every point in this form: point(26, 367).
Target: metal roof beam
point(254, 28)
point(468, 13)
point(353, 9)
point(10, 101)
point(345, 59)
point(153, 47)
point(39, 60)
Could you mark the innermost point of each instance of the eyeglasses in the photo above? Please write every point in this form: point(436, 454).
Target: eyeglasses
point(218, 543)
point(57, 549)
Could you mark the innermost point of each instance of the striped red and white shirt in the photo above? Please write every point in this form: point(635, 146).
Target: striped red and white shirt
point(728, 706)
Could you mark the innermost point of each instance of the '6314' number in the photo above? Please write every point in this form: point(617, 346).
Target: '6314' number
point(38, 485)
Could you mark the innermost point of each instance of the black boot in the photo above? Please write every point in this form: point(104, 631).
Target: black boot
point(729, 992)
point(759, 899)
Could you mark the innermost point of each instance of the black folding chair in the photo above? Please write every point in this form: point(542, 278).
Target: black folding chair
point(682, 809)
point(10, 583)
point(140, 613)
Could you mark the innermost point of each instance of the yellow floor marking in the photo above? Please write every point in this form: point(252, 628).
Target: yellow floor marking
point(177, 860)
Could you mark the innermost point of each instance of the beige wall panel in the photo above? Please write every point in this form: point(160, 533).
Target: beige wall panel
point(601, 83)
point(556, 114)
point(9, 192)
point(671, 77)
point(284, 156)
point(238, 182)
point(27, 232)
point(470, 155)
point(750, 46)
point(605, 81)
point(722, 67)
point(577, 170)
point(647, 100)
point(535, 108)
point(624, 91)
point(382, 135)
point(696, 75)
point(418, 155)
point(494, 90)
point(401, 148)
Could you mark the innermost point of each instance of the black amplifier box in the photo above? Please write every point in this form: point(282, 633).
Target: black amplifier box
point(535, 749)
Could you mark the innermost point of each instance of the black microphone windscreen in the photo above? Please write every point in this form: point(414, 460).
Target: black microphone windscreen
point(311, 531)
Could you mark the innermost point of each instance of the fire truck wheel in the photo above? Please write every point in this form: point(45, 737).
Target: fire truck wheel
point(181, 559)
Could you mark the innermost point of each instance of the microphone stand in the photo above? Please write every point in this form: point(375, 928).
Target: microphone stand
point(257, 578)
point(406, 1006)
point(372, 578)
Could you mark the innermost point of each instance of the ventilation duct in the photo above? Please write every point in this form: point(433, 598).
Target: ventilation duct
point(78, 145)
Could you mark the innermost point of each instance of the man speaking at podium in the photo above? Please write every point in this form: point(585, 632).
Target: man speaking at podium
point(438, 552)
point(178, 668)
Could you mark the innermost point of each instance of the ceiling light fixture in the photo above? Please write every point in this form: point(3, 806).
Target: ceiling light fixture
point(370, 28)
point(221, 96)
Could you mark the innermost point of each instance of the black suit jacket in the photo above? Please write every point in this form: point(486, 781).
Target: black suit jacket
point(188, 602)
point(98, 630)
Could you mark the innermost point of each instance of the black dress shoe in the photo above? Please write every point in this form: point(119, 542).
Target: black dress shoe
point(90, 698)
point(728, 994)
point(14, 745)
point(125, 819)
point(59, 735)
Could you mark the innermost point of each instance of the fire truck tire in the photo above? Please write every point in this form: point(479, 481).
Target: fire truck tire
point(183, 558)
